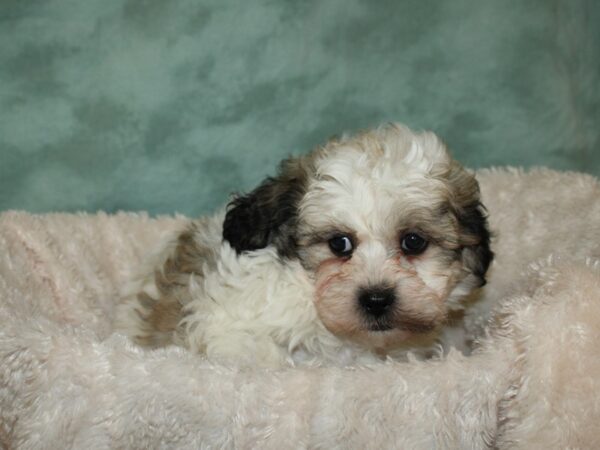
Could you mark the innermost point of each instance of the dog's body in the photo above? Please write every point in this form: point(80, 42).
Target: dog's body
point(358, 250)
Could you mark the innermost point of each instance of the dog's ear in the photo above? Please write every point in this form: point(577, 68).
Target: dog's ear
point(471, 214)
point(268, 214)
point(478, 256)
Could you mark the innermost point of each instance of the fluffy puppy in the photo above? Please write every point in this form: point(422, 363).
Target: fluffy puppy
point(357, 250)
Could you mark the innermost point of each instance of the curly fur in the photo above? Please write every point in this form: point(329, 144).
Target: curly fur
point(272, 292)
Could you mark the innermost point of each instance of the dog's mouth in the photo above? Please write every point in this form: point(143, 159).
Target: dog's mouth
point(405, 324)
point(380, 327)
point(418, 327)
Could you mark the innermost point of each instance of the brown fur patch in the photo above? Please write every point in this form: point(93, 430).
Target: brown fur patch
point(188, 258)
point(161, 316)
point(159, 319)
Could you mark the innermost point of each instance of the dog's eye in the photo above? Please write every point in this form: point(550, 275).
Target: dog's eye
point(413, 244)
point(341, 245)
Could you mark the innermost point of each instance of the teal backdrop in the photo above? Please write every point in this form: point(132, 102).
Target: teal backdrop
point(171, 105)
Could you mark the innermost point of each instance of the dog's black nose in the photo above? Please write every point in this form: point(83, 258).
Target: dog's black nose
point(376, 301)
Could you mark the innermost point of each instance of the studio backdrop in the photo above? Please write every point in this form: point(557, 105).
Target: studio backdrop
point(170, 106)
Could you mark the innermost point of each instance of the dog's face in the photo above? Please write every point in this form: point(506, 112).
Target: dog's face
point(388, 225)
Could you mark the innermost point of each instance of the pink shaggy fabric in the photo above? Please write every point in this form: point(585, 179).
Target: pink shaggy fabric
point(66, 381)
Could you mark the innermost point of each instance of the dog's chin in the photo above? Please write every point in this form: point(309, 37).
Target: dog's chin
point(412, 326)
point(386, 334)
point(385, 337)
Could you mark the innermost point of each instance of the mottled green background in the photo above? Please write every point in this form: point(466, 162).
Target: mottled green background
point(169, 105)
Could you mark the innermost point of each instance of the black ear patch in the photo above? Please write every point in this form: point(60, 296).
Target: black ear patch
point(477, 258)
point(268, 214)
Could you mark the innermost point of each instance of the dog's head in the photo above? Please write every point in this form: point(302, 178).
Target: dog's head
point(390, 227)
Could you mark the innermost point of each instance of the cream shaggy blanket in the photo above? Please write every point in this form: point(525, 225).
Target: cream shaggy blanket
point(66, 381)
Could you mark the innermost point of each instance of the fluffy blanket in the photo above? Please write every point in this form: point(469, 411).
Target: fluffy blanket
point(66, 381)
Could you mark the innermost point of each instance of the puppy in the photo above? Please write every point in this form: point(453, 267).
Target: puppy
point(355, 251)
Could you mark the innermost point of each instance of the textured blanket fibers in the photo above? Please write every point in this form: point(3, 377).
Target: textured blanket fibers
point(67, 382)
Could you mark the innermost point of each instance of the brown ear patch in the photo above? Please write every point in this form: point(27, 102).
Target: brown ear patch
point(476, 257)
point(268, 214)
point(471, 215)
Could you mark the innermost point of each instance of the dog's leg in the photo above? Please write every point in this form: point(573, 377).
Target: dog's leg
point(242, 348)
